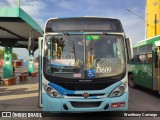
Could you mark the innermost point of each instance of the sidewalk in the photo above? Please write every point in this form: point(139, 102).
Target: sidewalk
point(20, 97)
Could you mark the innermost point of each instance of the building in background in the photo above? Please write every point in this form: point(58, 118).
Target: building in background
point(152, 18)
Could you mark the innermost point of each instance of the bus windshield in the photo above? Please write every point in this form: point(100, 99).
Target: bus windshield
point(81, 56)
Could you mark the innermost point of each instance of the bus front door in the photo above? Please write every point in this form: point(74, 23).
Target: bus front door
point(40, 43)
point(156, 68)
point(158, 56)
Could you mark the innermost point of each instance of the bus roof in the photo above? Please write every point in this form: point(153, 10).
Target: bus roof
point(82, 17)
point(155, 41)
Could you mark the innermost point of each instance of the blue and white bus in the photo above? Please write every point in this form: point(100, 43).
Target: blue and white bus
point(83, 65)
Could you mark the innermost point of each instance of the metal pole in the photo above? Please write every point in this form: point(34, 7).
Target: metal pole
point(85, 54)
point(155, 22)
point(18, 3)
point(40, 42)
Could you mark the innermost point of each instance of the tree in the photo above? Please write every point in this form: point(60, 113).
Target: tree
point(14, 55)
point(1, 54)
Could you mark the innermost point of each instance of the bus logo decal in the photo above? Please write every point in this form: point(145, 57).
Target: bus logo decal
point(85, 95)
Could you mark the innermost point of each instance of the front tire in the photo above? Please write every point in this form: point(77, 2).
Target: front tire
point(131, 81)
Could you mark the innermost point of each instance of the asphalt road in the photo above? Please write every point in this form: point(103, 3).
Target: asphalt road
point(141, 99)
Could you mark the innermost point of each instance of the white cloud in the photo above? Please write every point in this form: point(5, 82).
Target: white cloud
point(33, 8)
point(12, 2)
point(41, 22)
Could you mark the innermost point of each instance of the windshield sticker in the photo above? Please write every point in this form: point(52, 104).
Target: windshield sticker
point(92, 37)
point(77, 75)
point(90, 73)
point(77, 63)
point(103, 69)
point(63, 62)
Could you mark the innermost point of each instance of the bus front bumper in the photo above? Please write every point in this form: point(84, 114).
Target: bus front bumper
point(84, 105)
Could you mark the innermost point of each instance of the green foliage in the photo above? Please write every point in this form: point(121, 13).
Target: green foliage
point(1, 54)
point(14, 55)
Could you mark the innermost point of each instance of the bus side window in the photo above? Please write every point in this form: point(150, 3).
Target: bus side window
point(149, 56)
point(142, 54)
point(149, 53)
point(136, 56)
point(143, 57)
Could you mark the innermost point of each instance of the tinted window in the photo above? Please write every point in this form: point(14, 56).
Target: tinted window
point(135, 51)
point(149, 48)
point(142, 50)
point(142, 54)
point(149, 53)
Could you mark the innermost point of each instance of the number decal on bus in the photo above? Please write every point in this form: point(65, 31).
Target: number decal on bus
point(103, 69)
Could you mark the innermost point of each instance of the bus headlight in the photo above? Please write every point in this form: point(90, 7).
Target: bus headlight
point(118, 91)
point(51, 91)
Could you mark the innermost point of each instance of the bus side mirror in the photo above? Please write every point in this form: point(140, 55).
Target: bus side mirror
point(129, 48)
point(31, 44)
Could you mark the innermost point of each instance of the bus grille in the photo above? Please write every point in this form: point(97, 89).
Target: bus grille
point(84, 86)
point(81, 95)
point(85, 104)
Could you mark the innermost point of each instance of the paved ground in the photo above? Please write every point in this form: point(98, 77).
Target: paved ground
point(141, 99)
point(19, 97)
point(23, 97)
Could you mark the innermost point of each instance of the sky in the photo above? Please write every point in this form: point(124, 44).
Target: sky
point(41, 10)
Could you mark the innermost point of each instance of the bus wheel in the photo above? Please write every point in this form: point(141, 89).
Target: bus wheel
point(131, 81)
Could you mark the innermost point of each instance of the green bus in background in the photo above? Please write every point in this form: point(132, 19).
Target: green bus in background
point(144, 68)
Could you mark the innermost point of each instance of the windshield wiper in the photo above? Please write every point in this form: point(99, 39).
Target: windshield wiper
point(102, 35)
point(74, 51)
point(72, 48)
point(68, 42)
